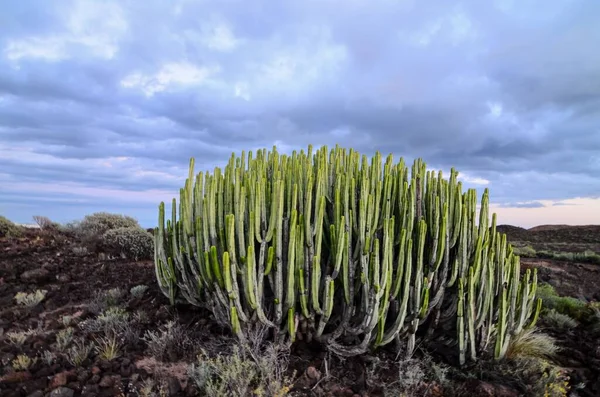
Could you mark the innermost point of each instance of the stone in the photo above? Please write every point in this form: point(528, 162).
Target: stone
point(90, 390)
point(75, 386)
point(109, 380)
point(126, 371)
point(62, 392)
point(60, 379)
point(493, 390)
point(63, 278)
point(16, 377)
point(37, 393)
point(313, 373)
point(35, 384)
point(35, 275)
point(96, 371)
point(105, 365)
point(83, 375)
point(174, 386)
point(45, 372)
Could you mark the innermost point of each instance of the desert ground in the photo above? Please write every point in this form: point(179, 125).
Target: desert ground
point(103, 328)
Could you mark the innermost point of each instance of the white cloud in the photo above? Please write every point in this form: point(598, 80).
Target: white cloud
point(241, 91)
point(473, 179)
point(495, 109)
point(218, 36)
point(300, 66)
point(171, 74)
point(423, 37)
point(96, 26)
point(340, 132)
point(461, 28)
point(46, 48)
point(456, 27)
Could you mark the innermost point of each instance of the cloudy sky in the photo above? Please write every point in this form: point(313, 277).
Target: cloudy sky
point(102, 103)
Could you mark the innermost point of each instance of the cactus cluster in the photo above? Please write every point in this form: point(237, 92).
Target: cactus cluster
point(353, 253)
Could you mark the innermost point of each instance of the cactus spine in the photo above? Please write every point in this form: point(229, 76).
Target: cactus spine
point(326, 245)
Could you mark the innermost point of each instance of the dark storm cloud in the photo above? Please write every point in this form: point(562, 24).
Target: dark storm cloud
point(119, 95)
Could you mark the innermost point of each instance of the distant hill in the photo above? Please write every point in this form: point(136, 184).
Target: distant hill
point(585, 234)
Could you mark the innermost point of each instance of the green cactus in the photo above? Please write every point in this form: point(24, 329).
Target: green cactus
point(355, 254)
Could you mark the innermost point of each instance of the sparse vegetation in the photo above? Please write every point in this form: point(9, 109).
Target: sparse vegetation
point(169, 343)
point(566, 305)
point(97, 224)
point(8, 228)
point(45, 223)
point(108, 347)
point(23, 362)
point(18, 338)
point(415, 376)
point(112, 233)
point(113, 320)
point(242, 372)
point(105, 299)
point(531, 343)
point(79, 352)
point(587, 256)
point(138, 291)
point(79, 250)
point(129, 242)
point(125, 332)
point(48, 357)
point(66, 320)
point(527, 251)
point(30, 299)
point(559, 321)
point(64, 337)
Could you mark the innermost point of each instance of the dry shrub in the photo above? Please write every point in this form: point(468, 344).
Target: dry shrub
point(8, 228)
point(533, 344)
point(45, 223)
point(530, 376)
point(30, 299)
point(91, 229)
point(100, 222)
point(170, 343)
point(129, 242)
point(246, 370)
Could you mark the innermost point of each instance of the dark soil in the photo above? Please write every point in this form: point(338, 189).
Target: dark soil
point(47, 261)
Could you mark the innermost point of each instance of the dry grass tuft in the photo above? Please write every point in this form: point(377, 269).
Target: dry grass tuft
point(533, 344)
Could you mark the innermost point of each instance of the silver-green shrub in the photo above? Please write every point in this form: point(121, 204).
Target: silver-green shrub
point(130, 242)
point(8, 228)
point(100, 222)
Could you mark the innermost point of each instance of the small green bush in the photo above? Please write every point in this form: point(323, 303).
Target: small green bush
point(8, 228)
point(572, 307)
point(526, 251)
point(559, 321)
point(587, 256)
point(131, 242)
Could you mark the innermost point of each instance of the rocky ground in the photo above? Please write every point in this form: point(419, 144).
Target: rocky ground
point(65, 339)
